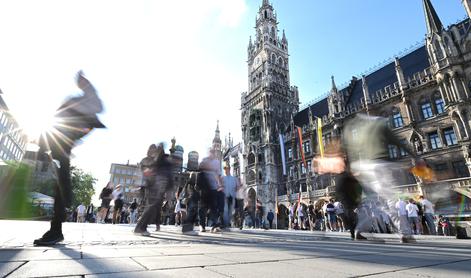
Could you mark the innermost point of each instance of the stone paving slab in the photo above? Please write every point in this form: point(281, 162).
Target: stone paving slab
point(170, 273)
point(249, 257)
point(75, 267)
point(167, 262)
point(342, 267)
point(271, 269)
point(460, 269)
point(6, 268)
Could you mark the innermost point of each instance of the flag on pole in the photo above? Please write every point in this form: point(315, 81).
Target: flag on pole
point(301, 146)
point(319, 137)
point(283, 157)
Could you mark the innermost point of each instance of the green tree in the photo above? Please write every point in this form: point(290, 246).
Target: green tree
point(82, 187)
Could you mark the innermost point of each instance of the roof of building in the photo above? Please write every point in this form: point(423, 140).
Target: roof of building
point(411, 63)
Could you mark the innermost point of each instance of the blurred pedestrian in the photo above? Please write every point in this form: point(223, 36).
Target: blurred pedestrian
point(106, 197)
point(230, 190)
point(428, 215)
point(81, 210)
point(159, 180)
point(300, 213)
point(239, 205)
point(133, 212)
point(291, 216)
point(413, 216)
point(270, 217)
point(311, 216)
point(340, 213)
point(77, 117)
point(331, 216)
point(209, 181)
point(118, 203)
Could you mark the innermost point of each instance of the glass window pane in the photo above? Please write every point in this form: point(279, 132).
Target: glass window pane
point(450, 137)
point(427, 110)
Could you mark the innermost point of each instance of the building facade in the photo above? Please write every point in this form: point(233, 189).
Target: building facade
point(425, 94)
point(130, 178)
point(12, 140)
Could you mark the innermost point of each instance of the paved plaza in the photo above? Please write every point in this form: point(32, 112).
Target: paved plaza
point(104, 250)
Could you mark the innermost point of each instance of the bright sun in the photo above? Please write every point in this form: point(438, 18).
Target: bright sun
point(34, 125)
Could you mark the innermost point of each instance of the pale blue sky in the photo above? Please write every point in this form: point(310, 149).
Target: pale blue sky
point(173, 68)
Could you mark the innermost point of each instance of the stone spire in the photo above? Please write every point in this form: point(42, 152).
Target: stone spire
point(334, 87)
point(467, 6)
point(434, 25)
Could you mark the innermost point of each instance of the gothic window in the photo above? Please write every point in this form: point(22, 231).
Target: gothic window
point(461, 170)
point(402, 151)
point(291, 171)
point(260, 158)
point(439, 105)
point(393, 152)
point(260, 177)
point(426, 108)
point(397, 119)
point(273, 58)
point(435, 141)
point(303, 169)
point(450, 136)
point(251, 159)
point(438, 50)
point(266, 14)
point(251, 177)
point(280, 62)
point(309, 165)
point(307, 147)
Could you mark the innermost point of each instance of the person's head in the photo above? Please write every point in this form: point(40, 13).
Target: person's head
point(152, 151)
point(227, 170)
point(421, 197)
point(331, 200)
point(411, 201)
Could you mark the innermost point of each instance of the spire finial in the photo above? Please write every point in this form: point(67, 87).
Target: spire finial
point(334, 87)
point(434, 25)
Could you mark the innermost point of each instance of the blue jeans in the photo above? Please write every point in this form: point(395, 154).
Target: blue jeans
point(430, 223)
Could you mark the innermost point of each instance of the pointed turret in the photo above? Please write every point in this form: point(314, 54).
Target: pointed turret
point(265, 3)
point(434, 25)
point(284, 37)
point(399, 74)
point(334, 87)
point(467, 6)
point(250, 43)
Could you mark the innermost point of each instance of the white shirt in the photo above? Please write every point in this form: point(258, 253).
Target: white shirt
point(116, 193)
point(401, 208)
point(338, 207)
point(81, 209)
point(412, 210)
point(230, 185)
point(291, 211)
point(428, 206)
point(300, 211)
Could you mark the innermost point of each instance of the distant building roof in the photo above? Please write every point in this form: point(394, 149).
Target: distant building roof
point(411, 63)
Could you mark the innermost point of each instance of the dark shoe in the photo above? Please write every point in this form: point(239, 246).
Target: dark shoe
point(157, 228)
point(407, 239)
point(49, 238)
point(141, 232)
point(358, 236)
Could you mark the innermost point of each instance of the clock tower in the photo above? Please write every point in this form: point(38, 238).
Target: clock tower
point(267, 107)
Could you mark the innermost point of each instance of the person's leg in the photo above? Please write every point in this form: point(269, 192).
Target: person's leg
point(430, 223)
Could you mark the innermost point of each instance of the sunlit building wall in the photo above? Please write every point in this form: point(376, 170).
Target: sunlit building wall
point(130, 178)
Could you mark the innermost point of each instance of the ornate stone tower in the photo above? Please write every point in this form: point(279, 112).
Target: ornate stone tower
point(267, 107)
point(448, 52)
point(217, 144)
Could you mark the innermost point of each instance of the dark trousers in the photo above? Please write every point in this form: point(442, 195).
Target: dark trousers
point(153, 208)
point(209, 202)
point(62, 191)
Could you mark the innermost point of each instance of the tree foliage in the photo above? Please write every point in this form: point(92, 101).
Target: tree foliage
point(82, 187)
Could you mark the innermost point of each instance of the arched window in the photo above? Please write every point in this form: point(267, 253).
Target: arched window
point(251, 159)
point(266, 14)
point(438, 50)
point(397, 120)
point(439, 103)
point(280, 62)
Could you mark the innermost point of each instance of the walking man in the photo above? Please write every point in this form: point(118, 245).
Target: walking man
point(270, 217)
point(81, 209)
point(230, 184)
point(428, 215)
point(78, 116)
